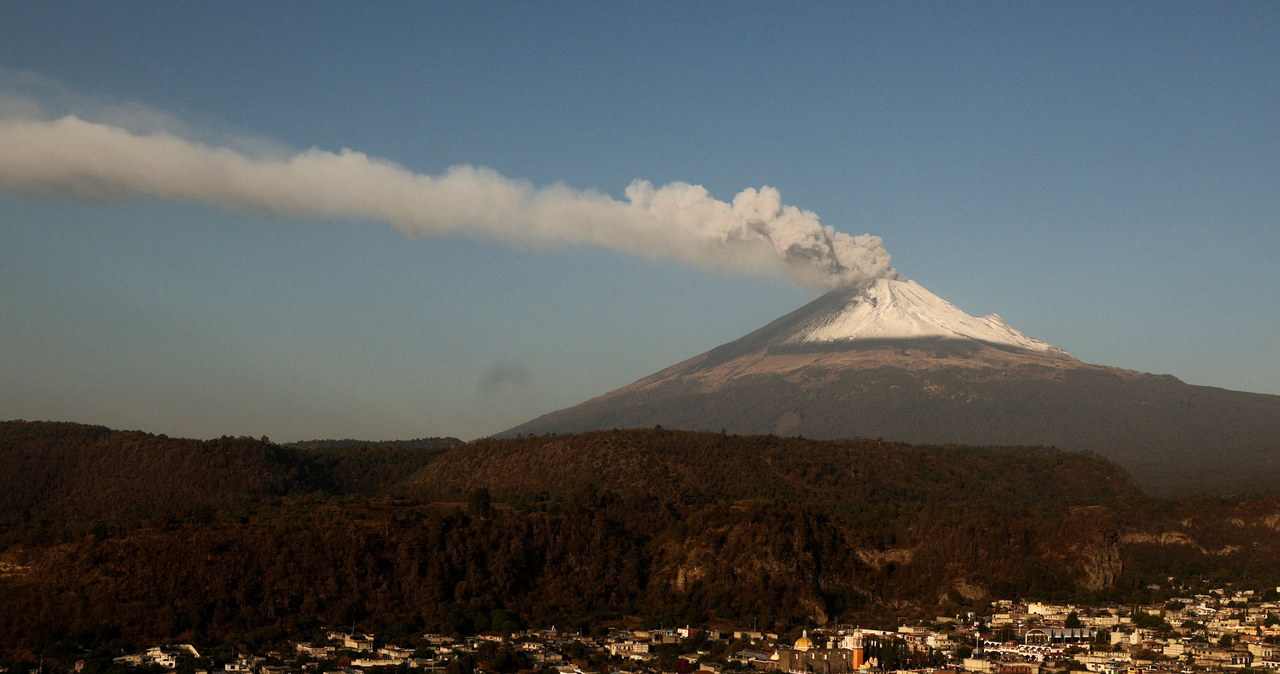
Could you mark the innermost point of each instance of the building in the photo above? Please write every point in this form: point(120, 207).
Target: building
point(807, 657)
point(1040, 636)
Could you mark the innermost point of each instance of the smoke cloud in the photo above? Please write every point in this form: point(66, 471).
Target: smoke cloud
point(504, 374)
point(69, 157)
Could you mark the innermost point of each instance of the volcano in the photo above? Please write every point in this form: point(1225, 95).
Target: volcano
point(888, 359)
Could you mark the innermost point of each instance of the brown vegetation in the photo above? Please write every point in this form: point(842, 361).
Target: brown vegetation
point(567, 530)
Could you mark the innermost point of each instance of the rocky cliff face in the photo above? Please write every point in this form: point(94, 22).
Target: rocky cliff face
point(657, 523)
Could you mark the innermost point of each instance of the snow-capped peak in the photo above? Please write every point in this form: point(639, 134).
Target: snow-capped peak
point(903, 309)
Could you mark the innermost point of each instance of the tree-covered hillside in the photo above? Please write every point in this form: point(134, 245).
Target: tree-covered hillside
point(243, 540)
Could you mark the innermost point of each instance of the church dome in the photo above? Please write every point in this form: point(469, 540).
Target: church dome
point(804, 643)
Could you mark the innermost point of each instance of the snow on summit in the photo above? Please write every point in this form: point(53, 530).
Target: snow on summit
point(903, 309)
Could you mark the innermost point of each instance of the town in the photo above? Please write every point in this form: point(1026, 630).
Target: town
point(1219, 630)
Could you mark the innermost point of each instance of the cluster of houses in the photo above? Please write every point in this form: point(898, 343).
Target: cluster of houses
point(1216, 631)
point(168, 657)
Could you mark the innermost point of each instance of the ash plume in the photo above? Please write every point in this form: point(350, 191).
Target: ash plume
point(71, 156)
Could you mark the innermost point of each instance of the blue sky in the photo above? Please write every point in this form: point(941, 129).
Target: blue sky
point(1105, 176)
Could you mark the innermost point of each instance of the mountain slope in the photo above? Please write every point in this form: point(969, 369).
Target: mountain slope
point(891, 360)
point(901, 309)
point(670, 526)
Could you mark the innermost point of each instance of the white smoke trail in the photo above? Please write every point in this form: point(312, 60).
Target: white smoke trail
point(71, 158)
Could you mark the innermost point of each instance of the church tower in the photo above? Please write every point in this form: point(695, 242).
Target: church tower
point(859, 656)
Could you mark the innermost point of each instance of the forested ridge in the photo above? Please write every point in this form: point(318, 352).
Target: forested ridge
point(688, 466)
point(127, 535)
